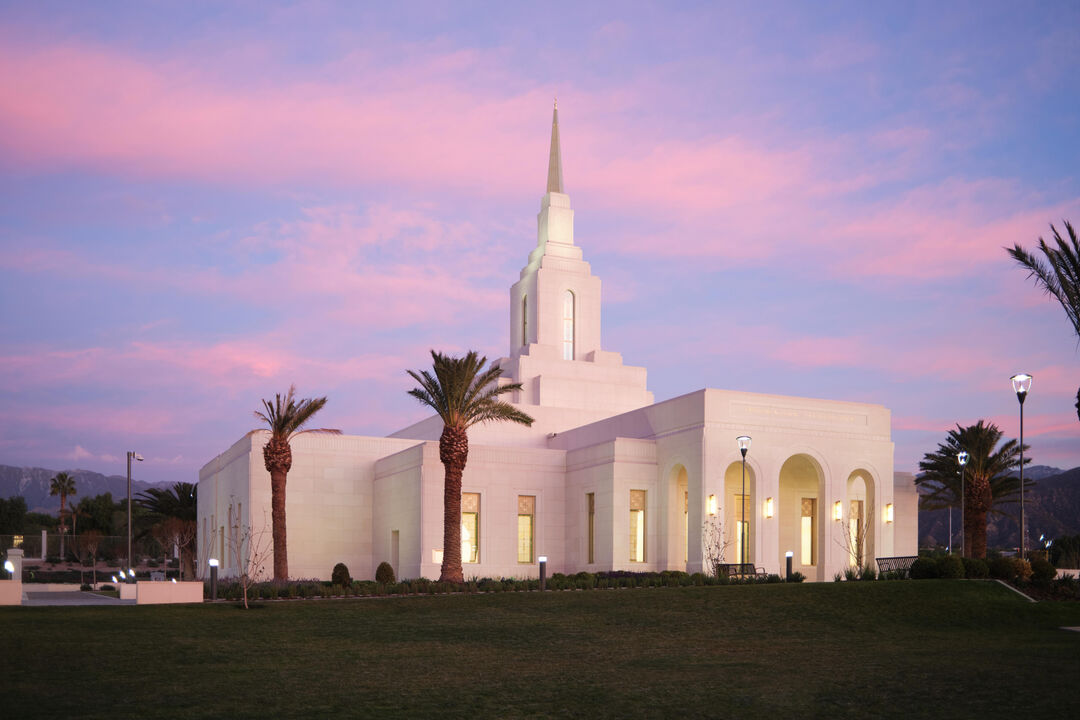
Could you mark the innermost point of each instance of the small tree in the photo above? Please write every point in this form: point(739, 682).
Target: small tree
point(852, 537)
point(250, 550)
point(182, 534)
point(89, 542)
point(714, 543)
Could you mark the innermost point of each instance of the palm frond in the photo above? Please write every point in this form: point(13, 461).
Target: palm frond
point(286, 416)
point(1058, 272)
point(463, 393)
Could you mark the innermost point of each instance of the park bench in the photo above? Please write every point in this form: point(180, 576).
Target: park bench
point(741, 570)
point(900, 564)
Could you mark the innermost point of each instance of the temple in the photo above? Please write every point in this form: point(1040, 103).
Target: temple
point(604, 479)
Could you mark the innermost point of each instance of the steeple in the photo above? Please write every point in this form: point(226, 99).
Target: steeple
point(555, 182)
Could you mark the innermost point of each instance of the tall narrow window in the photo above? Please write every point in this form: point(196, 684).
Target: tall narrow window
point(470, 527)
point(856, 534)
point(526, 527)
point(568, 326)
point(524, 320)
point(637, 526)
point(221, 549)
point(232, 537)
point(742, 527)
point(807, 539)
point(686, 526)
point(591, 500)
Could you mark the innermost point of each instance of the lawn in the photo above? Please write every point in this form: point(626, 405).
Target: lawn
point(901, 649)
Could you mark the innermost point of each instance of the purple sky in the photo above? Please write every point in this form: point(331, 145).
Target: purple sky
point(201, 205)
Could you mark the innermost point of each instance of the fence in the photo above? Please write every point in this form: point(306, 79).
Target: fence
point(83, 548)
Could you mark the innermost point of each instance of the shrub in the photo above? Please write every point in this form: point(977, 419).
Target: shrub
point(385, 574)
point(924, 568)
point(850, 574)
point(867, 572)
point(799, 577)
point(1042, 572)
point(837, 577)
point(950, 567)
point(84, 587)
point(340, 575)
point(108, 587)
point(1010, 569)
point(976, 568)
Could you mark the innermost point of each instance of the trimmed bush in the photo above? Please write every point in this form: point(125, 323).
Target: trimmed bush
point(924, 568)
point(1010, 569)
point(867, 572)
point(1042, 572)
point(384, 574)
point(797, 577)
point(84, 587)
point(950, 567)
point(975, 568)
point(340, 575)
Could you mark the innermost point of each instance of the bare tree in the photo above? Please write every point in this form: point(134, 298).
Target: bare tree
point(89, 542)
point(853, 533)
point(714, 543)
point(250, 550)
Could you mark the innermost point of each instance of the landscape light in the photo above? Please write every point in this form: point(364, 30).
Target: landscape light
point(212, 562)
point(122, 575)
point(10, 567)
point(174, 580)
point(114, 579)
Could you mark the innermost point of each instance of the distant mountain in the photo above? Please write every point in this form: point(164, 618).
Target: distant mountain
point(1052, 508)
point(1038, 472)
point(33, 485)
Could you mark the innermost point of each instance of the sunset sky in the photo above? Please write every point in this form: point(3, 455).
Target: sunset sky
point(201, 204)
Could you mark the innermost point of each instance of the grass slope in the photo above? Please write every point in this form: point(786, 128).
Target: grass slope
point(911, 649)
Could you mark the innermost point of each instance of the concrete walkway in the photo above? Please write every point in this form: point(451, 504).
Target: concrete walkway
point(70, 598)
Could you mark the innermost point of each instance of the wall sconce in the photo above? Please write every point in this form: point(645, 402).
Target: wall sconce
point(838, 511)
point(889, 513)
point(768, 507)
point(712, 504)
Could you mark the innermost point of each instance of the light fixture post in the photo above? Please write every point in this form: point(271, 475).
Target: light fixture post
point(744, 446)
point(1021, 383)
point(543, 572)
point(962, 458)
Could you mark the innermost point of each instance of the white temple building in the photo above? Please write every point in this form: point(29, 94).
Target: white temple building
point(605, 479)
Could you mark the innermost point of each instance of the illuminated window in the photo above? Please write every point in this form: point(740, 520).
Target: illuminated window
point(526, 527)
point(591, 499)
point(712, 504)
point(470, 527)
point(16, 540)
point(637, 526)
point(855, 531)
point(686, 526)
point(568, 325)
point(742, 527)
point(808, 556)
point(524, 319)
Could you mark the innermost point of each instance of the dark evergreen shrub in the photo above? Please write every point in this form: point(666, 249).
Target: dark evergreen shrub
point(385, 574)
point(84, 587)
point(976, 568)
point(867, 572)
point(797, 577)
point(924, 568)
point(1042, 572)
point(340, 575)
point(950, 567)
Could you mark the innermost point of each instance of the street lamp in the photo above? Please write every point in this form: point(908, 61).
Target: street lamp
point(1021, 383)
point(744, 446)
point(132, 455)
point(962, 458)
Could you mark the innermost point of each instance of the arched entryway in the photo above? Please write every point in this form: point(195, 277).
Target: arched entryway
point(801, 513)
point(739, 502)
point(858, 540)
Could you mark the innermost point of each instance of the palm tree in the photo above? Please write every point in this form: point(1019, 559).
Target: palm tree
point(180, 502)
point(286, 418)
point(463, 394)
point(62, 485)
point(987, 478)
point(1058, 276)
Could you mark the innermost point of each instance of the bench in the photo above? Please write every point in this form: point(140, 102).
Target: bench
point(900, 564)
point(740, 570)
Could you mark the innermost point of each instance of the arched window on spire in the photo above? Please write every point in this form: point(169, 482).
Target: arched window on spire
point(524, 320)
point(568, 326)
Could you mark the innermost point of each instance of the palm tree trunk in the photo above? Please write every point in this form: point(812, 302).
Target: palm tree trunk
point(979, 503)
point(453, 452)
point(277, 516)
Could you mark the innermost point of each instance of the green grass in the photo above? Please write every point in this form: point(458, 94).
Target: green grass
point(902, 649)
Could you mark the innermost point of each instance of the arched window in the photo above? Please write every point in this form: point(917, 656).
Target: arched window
point(568, 326)
point(524, 320)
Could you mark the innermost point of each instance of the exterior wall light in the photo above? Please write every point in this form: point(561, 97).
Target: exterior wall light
point(889, 513)
point(712, 504)
point(838, 511)
point(768, 507)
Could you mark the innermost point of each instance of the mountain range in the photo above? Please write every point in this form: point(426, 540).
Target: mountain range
point(32, 483)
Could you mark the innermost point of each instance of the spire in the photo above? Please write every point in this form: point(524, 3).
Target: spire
point(555, 183)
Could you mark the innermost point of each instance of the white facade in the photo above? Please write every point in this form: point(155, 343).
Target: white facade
point(605, 479)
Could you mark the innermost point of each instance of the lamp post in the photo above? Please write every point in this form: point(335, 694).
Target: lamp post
point(962, 458)
point(744, 446)
point(1021, 383)
point(132, 455)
